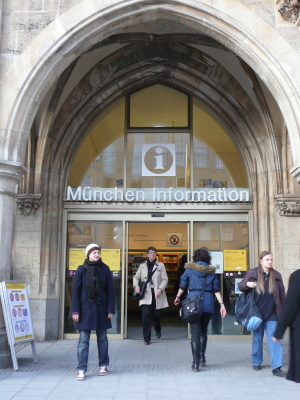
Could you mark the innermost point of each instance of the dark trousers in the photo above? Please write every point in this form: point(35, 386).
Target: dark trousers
point(199, 327)
point(149, 310)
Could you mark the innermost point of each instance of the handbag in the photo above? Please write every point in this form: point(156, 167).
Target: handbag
point(247, 312)
point(191, 308)
point(143, 287)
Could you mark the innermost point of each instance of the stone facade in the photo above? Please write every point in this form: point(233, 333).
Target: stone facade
point(62, 62)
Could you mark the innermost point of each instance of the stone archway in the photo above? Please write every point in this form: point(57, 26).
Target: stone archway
point(86, 24)
point(54, 50)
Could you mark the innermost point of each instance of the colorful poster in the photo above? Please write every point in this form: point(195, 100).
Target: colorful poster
point(18, 310)
point(76, 258)
point(217, 261)
point(235, 260)
point(111, 257)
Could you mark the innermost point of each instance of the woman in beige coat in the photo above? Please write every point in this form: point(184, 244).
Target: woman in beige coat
point(155, 297)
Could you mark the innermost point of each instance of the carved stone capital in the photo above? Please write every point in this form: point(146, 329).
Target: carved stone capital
point(28, 203)
point(288, 205)
point(289, 10)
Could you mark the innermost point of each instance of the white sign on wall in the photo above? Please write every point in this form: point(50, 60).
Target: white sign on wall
point(174, 240)
point(158, 160)
point(217, 261)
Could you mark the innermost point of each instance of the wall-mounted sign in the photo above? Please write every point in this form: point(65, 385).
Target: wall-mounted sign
point(217, 261)
point(158, 160)
point(174, 240)
point(111, 257)
point(76, 258)
point(157, 195)
point(17, 316)
point(235, 260)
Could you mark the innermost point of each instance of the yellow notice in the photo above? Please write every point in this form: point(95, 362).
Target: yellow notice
point(15, 285)
point(17, 339)
point(111, 257)
point(76, 258)
point(235, 260)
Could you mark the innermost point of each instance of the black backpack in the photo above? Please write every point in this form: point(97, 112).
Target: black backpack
point(247, 312)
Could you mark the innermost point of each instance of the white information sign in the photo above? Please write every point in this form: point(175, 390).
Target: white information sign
point(16, 310)
point(217, 261)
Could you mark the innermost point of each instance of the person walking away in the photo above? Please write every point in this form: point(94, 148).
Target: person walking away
point(193, 280)
point(155, 298)
point(290, 316)
point(269, 296)
point(93, 306)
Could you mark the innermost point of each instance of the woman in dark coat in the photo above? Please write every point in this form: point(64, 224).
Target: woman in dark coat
point(290, 316)
point(269, 297)
point(193, 279)
point(93, 306)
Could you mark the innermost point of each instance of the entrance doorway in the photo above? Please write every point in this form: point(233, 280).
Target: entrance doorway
point(171, 241)
point(125, 237)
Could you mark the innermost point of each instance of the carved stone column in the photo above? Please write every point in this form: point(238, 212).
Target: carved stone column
point(11, 174)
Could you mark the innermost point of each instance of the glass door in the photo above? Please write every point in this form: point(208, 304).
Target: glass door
point(171, 242)
point(124, 239)
point(109, 236)
point(228, 243)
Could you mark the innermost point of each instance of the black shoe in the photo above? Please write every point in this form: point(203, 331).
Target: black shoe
point(146, 342)
point(256, 367)
point(278, 372)
point(158, 335)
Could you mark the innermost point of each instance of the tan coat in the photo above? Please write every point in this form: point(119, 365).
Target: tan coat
point(160, 281)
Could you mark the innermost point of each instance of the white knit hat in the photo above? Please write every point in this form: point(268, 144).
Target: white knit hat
point(90, 248)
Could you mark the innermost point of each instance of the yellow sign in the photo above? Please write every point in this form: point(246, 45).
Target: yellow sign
point(76, 258)
point(15, 285)
point(111, 257)
point(235, 260)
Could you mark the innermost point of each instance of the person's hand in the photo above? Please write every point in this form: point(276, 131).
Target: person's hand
point(137, 289)
point(158, 293)
point(223, 310)
point(177, 301)
point(275, 340)
point(110, 315)
point(252, 285)
point(75, 317)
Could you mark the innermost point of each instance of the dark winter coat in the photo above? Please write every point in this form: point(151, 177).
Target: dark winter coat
point(193, 278)
point(93, 316)
point(279, 293)
point(290, 316)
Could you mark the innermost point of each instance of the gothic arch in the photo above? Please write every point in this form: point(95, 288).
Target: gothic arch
point(84, 25)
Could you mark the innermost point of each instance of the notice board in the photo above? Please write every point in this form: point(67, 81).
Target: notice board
point(17, 316)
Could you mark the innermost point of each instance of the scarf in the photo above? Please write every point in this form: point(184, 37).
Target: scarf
point(150, 266)
point(92, 286)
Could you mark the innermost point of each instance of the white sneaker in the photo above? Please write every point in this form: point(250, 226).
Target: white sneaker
point(103, 370)
point(80, 375)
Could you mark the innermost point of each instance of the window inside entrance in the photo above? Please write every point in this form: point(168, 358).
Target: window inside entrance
point(167, 140)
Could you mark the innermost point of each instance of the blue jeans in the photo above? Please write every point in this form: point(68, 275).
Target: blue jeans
point(83, 349)
point(276, 351)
